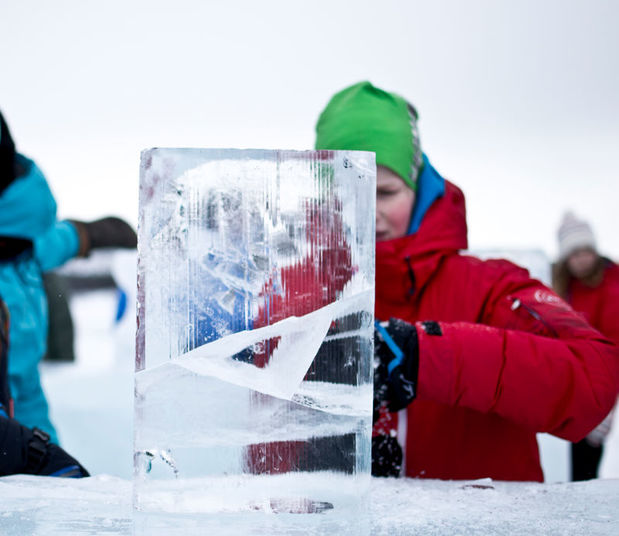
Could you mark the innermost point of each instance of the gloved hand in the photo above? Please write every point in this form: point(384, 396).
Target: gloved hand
point(110, 232)
point(26, 451)
point(396, 365)
point(386, 456)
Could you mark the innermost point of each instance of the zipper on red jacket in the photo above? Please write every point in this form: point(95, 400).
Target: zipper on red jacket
point(411, 276)
point(518, 304)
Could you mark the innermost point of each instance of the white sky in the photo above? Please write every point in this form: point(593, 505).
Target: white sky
point(518, 99)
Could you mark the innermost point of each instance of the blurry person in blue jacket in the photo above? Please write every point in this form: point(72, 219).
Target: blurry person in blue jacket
point(33, 241)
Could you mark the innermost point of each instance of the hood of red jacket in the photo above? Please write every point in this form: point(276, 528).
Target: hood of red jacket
point(404, 265)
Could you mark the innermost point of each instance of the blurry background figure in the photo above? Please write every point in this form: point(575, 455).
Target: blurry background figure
point(589, 282)
point(60, 335)
point(32, 242)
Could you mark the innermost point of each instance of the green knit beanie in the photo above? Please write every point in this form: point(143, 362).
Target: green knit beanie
point(365, 118)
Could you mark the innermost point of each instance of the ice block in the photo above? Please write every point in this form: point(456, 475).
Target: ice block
point(253, 384)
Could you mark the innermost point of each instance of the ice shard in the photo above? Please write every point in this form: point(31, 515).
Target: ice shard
point(253, 381)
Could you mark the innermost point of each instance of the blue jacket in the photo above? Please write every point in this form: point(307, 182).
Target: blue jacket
point(28, 211)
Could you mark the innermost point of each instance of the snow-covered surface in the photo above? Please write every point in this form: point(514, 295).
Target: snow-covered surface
point(92, 402)
point(102, 505)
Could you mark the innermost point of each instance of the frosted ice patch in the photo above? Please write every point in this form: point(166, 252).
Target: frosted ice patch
point(252, 493)
point(337, 399)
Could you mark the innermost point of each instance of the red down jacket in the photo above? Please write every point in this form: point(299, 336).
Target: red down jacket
point(513, 358)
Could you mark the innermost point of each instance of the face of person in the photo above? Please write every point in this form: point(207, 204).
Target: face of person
point(394, 205)
point(581, 262)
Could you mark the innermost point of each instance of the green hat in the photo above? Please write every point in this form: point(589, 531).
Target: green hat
point(365, 118)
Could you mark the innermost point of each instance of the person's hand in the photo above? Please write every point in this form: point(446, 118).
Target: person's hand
point(110, 232)
point(386, 456)
point(396, 365)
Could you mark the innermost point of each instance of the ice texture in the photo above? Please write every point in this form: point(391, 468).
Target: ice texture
point(44, 506)
point(255, 331)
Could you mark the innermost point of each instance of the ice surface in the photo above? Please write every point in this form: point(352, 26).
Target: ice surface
point(101, 505)
point(254, 349)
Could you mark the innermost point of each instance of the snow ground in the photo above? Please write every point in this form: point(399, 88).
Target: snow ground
point(92, 405)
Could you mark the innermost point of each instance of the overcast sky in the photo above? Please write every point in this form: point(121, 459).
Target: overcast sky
point(518, 100)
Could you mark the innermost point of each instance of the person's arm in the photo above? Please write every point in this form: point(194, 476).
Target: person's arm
point(545, 368)
point(70, 238)
point(57, 245)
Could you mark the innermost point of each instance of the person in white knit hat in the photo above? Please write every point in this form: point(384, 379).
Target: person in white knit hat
point(589, 282)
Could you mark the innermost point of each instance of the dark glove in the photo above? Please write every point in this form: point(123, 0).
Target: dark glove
point(110, 232)
point(25, 451)
point(396, 365)
point(386, 456)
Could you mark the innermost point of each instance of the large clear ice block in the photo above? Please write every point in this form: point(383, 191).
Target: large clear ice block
point(255, 331)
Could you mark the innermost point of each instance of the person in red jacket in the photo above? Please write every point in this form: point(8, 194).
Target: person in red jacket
point(589, 282)
point(475, 357)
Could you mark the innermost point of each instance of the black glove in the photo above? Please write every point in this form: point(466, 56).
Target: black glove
point(396, 365)
point(110, 232)
point(25, 451)
point(386, 456)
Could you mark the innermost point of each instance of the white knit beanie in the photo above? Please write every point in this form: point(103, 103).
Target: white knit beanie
point(574, 234)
